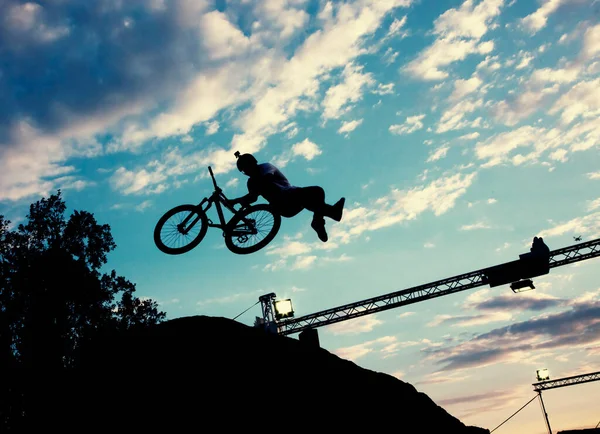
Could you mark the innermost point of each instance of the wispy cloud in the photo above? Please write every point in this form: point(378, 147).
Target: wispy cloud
point(355, 326)
point(517, 341)
point(438, 154)
point(355, 352)
point(438, 196)
point(305, 149)
point(475, 226)
point(144, 205)
point(230, 298)
point(458, 34)
point(412, 124)
point(349, 126)
point(537, 20)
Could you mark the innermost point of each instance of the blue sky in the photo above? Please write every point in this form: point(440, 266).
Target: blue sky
point(456, 130)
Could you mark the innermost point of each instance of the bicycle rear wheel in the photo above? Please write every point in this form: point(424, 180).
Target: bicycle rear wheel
point(180, 229)
point(252, 229)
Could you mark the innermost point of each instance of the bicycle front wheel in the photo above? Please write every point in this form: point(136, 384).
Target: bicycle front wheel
point(180, 229)
point(252, 229)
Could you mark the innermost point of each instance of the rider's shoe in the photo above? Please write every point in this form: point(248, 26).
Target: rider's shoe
point(319, 226)
point(337, 210)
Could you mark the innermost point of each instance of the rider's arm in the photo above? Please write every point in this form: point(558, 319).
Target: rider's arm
point(245, 200)
point(251, 197)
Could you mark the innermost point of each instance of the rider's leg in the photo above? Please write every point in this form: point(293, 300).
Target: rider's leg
point(313, 199)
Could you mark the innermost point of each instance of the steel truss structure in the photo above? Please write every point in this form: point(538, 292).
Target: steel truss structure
point(566, 381)
point(512, 271)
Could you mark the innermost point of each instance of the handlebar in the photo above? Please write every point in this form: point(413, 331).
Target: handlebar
point(213, 177)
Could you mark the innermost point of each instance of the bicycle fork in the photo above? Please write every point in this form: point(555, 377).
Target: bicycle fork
point(183, 227)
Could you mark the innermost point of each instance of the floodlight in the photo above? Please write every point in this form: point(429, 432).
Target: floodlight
point(283, 309)
point(542, 374)
point(521, 284)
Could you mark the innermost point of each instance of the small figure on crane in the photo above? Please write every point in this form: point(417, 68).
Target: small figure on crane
point(539, 248)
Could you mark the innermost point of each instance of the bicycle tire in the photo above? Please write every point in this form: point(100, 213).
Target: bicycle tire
point(161, 237)
point(271, 219)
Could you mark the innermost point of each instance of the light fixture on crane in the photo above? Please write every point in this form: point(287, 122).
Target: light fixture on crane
point(542, 374)
point(520, 285)
point(283, 309)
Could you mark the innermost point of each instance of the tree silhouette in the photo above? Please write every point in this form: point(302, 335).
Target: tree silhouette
point(53, 295)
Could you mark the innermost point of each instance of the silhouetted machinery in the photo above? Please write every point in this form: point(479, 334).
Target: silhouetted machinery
point(517, 273)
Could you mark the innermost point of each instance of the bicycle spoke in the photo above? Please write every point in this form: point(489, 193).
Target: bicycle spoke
point(171, 234)
point(243, 236)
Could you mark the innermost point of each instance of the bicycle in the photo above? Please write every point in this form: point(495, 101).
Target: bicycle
point(182, 228)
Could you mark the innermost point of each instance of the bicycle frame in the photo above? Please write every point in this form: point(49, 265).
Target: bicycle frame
point(219, 199)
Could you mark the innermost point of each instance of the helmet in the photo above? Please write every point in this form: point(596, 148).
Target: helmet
point(245, 161)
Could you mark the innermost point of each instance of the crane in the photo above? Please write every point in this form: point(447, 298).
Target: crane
point(518, 273)
point(561, 382)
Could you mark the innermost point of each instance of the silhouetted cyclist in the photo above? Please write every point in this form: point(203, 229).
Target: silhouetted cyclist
point(267, 181)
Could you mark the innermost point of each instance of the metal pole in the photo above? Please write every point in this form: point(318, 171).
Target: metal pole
point(544, 411)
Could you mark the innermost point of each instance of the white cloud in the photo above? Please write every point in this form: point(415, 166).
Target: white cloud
point(429, 245)
point(144, 205)
point(503, 247)
point(349, 126)
point(275, 86)
point(526, 59)
point(491, 201)
point(465, 87)
point(593, 175)
point(559, 155)
point(593, 205)
point(135, 182)
point(470, 136)
point(212, 128)
point(306, 149)
point(400, 206)
point(591, 43)
point(25, 23)
point(342, 258)
point(582, 100)
point(469, 320)
point(543, 84)
point(438, 153)
point(489, 64)
point(279, 19)
point(338, 99)
point(586, 225)
point(290, 248)
point(390, 56)
point(220, 37)
point(233, 182)
point(458, 33)
point(474, 226)
point(384, 89)
point(527, 102)
point(534, 142)
point(454, 118)
point(303, 262)
point(396, 28)
point(356, 351)
point(538, 19)
point(355, 326)
point(412, 124)
point(230, 298)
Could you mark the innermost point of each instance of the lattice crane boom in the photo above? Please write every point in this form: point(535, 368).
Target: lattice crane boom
point(566, 381)
point(494, 276)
